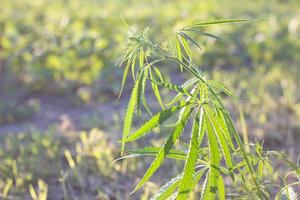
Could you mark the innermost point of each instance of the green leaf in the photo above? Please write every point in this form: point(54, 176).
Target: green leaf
point(129, 114)
point(157, 95)
point(156, 90)
point(167, 190)
point(186, 85)
point(178, 50)
point(190, 164)
point(287, 190)
point(221, 21)
point(143, 86)
point(157, 72)
point(223, 88)
point(133, 68)
point(156, 120)
point(198, 175)
point(250, 168)
point(214, 173)
point(187, 37)
point(225, 130)
point(140, 90)
point(172, 86)
point(124, 78)
point(232, 130)
point(177, 98)
point(165, 149)
point(153, 151)
point(202, 33)
point(32, 192)
point(202, 127)
point(260, 167)
point(220, 136)
point(205, 187)
point(182, 111)
point(186, 47)
point(221, 189)
point(126, 56)
point(142, 58)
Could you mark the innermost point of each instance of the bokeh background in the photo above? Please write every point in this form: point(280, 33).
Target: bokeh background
point(60, 118)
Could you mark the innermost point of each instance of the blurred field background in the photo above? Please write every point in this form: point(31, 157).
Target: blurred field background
point(60, 118)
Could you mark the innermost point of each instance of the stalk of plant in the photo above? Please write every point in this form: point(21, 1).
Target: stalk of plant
point(198, 100)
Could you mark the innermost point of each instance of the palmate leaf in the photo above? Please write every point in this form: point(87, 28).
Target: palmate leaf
point(190, 163)
point(156, 120)
point(165, 149)
point(129, 114)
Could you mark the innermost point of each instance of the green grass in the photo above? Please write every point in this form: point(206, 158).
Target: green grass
point(57, 160)
point(92, 39)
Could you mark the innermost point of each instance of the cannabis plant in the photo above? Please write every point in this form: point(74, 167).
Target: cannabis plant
point(215, 149)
